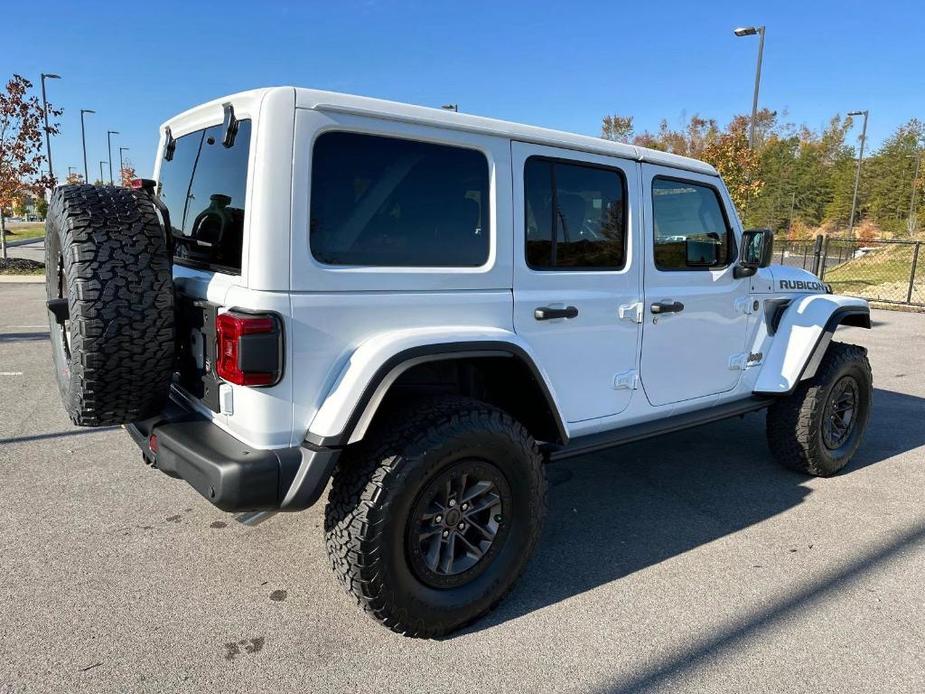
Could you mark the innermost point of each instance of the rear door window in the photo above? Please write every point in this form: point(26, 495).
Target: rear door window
point(389, 202)
point(203, 186)
point(575, 216)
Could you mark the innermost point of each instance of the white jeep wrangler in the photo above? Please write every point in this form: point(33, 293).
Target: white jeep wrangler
point(423, 308)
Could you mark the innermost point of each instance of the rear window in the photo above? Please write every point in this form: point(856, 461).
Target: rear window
point(203, 187)
point(381, 201)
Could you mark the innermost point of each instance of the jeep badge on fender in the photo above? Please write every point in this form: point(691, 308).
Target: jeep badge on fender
point(419, 309)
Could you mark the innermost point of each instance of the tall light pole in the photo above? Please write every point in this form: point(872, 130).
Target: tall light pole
point(751, 31)
point(102, 180)
point(48, 76)
point(83, 139)
point(109, 134)
point(857, 174)
point(70, 170)
point(121, 162)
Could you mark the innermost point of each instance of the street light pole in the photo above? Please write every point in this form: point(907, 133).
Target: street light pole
point(121, 162)
point(83, 139)
point(109, 134)
point(752, 31)
point(857, 174)
point(49, 76)
point(102, 180)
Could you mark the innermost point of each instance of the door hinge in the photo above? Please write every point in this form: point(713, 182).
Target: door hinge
point(737, 361)
point(631, 312)
point(626, 380)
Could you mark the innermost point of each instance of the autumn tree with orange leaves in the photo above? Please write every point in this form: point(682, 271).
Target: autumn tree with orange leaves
point(22, 132)
point(127, 173)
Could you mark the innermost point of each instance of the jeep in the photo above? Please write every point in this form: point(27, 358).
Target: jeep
point(420, 309)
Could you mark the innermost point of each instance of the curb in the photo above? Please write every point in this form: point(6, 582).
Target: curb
point(22, 279)
point(24, 242)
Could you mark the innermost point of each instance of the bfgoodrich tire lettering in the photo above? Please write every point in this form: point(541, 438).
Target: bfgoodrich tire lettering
point(798, 427)
point(377, 487)
point(106, 255)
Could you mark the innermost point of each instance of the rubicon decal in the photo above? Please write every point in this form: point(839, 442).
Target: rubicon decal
point(802, 284)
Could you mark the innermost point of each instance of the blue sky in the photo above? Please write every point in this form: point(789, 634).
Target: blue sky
point(560, 65)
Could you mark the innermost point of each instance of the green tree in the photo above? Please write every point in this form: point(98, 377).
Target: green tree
point(888, 178)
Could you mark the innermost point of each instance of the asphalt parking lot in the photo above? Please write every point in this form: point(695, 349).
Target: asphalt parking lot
point(687, 563)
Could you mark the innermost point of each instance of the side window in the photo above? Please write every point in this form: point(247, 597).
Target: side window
point(575, 216)
point(381, 201)
point(691, 231)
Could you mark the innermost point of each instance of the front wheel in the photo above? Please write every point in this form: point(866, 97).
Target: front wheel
point(431, 519)
point(818, 428)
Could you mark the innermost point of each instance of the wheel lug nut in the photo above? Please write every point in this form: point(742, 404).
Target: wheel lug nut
point(464, 507)
point(446, 533)
point(438, 519)
point(452, 502)
point(461, 526)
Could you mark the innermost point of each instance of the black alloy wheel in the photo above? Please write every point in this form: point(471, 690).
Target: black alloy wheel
point(458, 523)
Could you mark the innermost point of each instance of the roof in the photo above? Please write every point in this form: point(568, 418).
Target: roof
point(361, 105)
point(199, 116)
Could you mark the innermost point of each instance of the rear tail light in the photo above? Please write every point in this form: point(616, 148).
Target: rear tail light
point(249, 349)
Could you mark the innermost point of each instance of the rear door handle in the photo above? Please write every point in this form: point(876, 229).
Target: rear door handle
point(667, 307)
point(548, 313)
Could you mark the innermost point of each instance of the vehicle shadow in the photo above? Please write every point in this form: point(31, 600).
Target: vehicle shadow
point(616, 512)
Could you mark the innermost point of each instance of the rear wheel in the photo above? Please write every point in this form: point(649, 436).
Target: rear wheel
point(818, 429)
point(431, 519)
point(111, 307)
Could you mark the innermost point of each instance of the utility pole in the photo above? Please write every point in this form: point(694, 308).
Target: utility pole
point(857, 174)
point(102, 179)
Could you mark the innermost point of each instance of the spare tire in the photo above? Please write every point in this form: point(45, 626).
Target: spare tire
point(110, 304)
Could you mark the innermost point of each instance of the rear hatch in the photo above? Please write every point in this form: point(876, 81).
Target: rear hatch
point(203, 182)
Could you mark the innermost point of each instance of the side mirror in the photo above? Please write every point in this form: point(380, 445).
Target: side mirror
point(757, 247)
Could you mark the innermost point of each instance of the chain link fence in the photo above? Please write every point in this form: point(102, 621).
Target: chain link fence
point(885, 271)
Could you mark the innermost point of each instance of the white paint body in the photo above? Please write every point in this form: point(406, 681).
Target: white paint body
point(603, 371)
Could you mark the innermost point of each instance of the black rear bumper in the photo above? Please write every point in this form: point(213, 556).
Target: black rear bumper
point(228, 472)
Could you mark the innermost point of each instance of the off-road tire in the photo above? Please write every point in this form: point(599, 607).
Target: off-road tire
point(105, 253)
point(373, 493)
point(795, 423)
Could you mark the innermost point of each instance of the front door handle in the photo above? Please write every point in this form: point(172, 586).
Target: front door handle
point(667, 307)
point(548, 313)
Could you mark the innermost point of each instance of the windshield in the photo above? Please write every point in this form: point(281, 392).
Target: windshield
point(203, 186)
